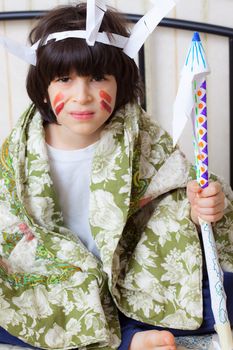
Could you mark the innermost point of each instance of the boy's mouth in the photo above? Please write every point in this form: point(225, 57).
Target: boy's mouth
point(82, 115)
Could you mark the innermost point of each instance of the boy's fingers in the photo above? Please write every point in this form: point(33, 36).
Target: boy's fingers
point(208, 210)
point(210, 202)
point(213, 189)
point(193, 186)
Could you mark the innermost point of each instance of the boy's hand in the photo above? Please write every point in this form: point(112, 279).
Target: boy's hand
point(208, 203)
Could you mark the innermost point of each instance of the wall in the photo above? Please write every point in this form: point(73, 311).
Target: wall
point(166, 51)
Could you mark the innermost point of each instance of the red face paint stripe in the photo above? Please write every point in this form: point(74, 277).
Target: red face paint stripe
point(105, 96)
point(58, 98)
point(59, 108)
point(105, 106)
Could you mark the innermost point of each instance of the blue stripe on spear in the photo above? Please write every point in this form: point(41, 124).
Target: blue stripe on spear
point(191, 103)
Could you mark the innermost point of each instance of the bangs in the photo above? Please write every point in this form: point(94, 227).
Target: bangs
point(74, 55)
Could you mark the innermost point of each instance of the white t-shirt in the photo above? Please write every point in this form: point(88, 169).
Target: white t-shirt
point(71, 172)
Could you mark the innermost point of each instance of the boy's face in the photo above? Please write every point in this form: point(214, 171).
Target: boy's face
point(82, 105)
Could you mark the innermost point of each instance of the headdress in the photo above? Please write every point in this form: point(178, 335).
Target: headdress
point(95, 13)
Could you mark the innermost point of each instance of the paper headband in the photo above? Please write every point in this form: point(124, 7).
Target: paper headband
point(95, 13)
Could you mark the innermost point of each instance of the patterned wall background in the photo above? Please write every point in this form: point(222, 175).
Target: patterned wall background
point(166, 50)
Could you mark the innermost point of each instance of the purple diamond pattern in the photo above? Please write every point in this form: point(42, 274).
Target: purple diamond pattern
point(204, 125)
point(205, 175)
point(204, 112)
point(203, 85)
point(204, 138)
point(205, 150)
point(203, 99)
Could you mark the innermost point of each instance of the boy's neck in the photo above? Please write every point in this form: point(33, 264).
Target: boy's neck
point(68, 141)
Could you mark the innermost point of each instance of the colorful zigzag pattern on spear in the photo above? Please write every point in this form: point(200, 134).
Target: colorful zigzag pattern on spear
point(200, 138)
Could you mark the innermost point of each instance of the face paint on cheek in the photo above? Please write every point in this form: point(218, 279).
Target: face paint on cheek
point(104, 95)
point(58, 105)
point(106, 100)
point(105, 106)
point(58, 98)
point(59, 108)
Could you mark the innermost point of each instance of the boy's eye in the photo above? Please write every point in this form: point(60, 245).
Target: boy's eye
point(63, 79)
point(98, 78)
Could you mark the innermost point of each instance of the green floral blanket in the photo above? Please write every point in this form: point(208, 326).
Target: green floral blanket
point(54, 294)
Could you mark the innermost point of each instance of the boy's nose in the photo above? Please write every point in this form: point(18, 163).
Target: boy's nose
point(81, 93)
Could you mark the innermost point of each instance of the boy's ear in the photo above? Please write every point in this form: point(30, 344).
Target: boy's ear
point(45, 100)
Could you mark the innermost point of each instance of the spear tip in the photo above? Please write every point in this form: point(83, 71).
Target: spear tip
point(196, 37)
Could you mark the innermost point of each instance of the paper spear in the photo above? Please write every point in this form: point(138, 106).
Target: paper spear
point(191, 103)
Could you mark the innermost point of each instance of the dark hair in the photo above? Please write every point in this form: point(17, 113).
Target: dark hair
point(60, 58)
